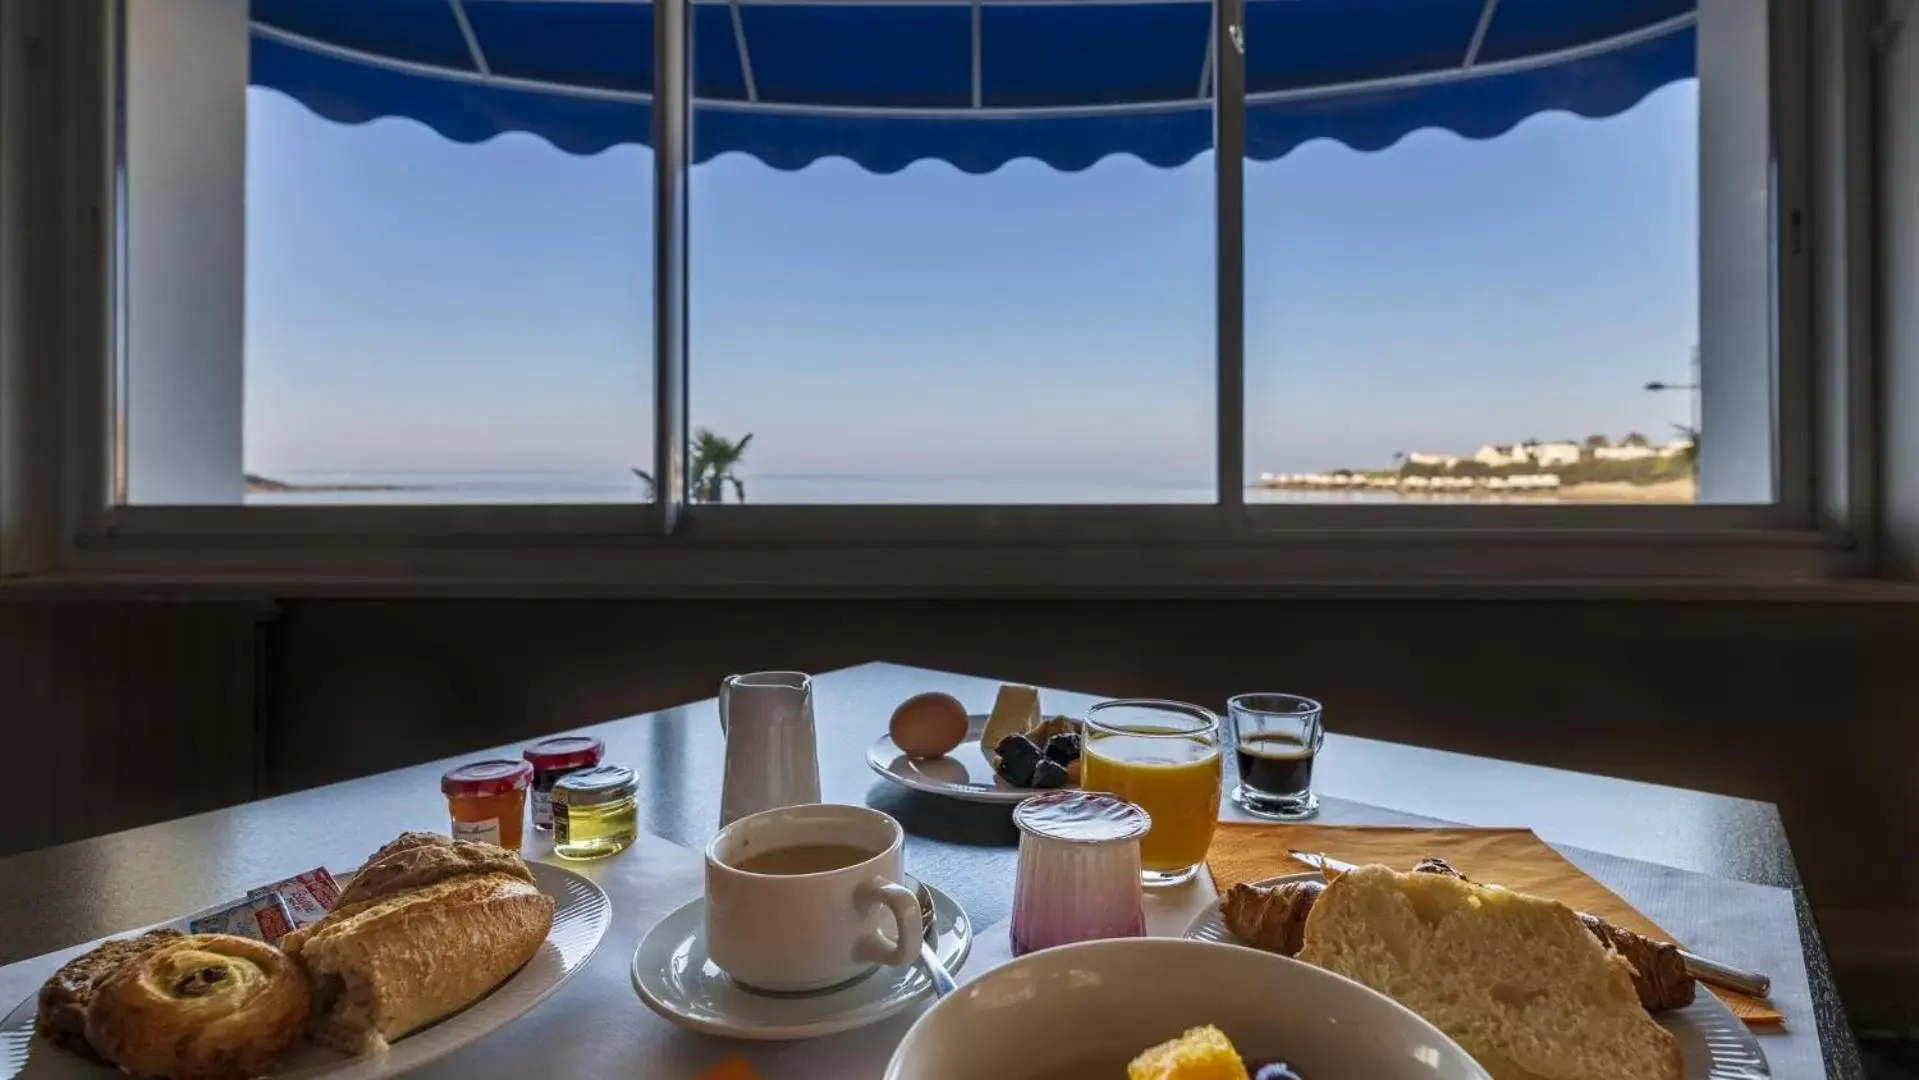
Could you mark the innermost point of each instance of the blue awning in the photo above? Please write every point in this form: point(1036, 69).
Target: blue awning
point(976, 83)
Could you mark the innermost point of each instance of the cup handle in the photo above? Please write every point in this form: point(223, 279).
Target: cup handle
point(905, 905)
point(726, 688)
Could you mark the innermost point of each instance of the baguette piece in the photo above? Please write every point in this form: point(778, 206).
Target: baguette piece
point(384, 968)
point(423, 864)
point(1516, 980)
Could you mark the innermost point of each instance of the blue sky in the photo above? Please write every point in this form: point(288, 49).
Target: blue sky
point(417, 304)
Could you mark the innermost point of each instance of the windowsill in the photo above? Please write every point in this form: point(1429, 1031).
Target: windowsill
point(344, 586)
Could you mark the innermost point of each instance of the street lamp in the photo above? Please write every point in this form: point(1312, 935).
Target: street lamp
point(1689, 387)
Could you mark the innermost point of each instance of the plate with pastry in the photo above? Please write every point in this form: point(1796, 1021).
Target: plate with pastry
point(933, 745)
point(431, 944)
point(1523, 983)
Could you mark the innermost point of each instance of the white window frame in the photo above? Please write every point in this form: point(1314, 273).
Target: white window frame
point(1817, 530)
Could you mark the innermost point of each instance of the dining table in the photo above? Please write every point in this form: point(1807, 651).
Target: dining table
point(58, 900)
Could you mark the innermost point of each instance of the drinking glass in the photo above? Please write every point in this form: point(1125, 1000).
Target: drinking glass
point(1276, 737)
point(1164, 757)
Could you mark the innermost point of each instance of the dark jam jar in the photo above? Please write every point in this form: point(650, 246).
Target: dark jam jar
point(552, 759)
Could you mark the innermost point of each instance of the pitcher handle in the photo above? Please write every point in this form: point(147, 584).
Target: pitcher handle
point(726, 690)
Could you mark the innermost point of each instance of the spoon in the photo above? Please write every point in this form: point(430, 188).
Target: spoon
point(929, 956)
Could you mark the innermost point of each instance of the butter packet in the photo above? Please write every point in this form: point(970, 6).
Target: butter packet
point(263, 918)
point(309, 896)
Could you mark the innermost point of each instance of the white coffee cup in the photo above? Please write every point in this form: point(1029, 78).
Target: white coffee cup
point(799, 932)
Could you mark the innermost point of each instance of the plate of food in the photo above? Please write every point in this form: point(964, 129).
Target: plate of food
point(1521, 982)
point(429, 945)
point(934, 745)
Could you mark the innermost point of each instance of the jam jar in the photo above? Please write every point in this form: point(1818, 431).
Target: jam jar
point(487, 801)
point(552, 759)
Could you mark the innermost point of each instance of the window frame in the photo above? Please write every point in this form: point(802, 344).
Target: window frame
point(1817, 528)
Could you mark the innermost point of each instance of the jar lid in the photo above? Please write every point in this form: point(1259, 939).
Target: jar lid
point(1082, 817)
point(565, 752)
point(486, 778)
point(606, 783)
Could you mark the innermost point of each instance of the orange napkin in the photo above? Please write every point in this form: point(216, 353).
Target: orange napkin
point(1514, 858)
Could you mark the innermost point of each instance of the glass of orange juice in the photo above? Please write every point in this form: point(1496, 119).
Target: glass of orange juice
point(1164, 756)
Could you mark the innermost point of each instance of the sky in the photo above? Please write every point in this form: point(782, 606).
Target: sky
point(418, 304)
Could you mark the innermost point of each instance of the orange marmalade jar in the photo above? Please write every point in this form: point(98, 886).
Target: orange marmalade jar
point(488, 801)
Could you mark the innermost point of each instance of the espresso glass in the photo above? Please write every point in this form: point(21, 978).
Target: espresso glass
point(1276, 738)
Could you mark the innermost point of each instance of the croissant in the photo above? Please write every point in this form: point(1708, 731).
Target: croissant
point(204, 1007)
point(1273, 917)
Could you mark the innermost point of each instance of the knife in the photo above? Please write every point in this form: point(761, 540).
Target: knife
point(1699, 967)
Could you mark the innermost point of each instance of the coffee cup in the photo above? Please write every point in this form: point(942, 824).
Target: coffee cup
point(808, 897)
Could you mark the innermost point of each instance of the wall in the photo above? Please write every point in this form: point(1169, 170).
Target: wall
point(1898, 272)
point(1807, 705)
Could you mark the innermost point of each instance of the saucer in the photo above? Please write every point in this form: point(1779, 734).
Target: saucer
point(672, 974)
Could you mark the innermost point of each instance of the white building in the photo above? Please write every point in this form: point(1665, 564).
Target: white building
point(1497, 456)
point(1624, 453)
point(1424, 457)
point(1546, 455)
point(1677, 448)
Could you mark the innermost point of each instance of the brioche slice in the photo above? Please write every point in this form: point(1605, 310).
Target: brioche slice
point(1516, 980)
point(392, 966)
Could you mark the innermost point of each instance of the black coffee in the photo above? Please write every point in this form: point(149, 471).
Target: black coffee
point(1275, 763)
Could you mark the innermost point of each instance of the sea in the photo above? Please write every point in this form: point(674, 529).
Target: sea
point(374, 488)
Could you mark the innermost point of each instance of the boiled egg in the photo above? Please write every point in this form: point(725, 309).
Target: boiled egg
point(928, 725)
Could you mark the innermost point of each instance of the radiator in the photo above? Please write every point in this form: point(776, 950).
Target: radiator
point(117, 714)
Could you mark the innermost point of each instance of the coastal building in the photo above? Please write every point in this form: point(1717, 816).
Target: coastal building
point(1624, 453)
point(1424, 457)
point(1546, 455)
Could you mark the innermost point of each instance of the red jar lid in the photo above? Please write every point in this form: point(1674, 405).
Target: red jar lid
point(565, 752)
point(487, 778)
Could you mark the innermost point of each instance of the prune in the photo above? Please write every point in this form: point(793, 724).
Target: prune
point(1048, 773)
point(1063, 748)
point(1017, 759)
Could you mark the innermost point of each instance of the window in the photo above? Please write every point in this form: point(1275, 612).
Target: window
point(1507, 307)
point(1214, 275)
point(981, 327)
point(426, 317)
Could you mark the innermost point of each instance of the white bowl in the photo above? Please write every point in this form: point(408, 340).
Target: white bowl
point(1082, 1012)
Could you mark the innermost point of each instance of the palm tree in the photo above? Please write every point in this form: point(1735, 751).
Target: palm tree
point(647, 479)
point(1690, 435)
point(713, 461)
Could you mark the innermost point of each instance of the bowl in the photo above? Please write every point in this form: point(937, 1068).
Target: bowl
point(1081, 1012)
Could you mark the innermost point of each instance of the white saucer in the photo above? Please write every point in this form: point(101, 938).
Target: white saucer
point(672, 974)
point(962, 774)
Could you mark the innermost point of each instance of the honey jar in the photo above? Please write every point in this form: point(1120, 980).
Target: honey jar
point(595, 813)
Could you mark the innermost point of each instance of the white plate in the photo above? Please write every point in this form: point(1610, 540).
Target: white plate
point(962, 774)
point(1717, 1044)
point(673, 976)
point(580, 916)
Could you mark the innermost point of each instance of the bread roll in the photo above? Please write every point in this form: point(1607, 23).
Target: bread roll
point(1516, 980)
point(205, 1007)
point(383, 968)
point(420, 865)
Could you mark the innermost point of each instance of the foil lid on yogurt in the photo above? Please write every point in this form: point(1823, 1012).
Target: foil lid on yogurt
point(1082, 817)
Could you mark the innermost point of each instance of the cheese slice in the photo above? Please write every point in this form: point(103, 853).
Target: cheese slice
point(1015, 712)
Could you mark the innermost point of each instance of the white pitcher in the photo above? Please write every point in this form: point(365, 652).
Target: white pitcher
point(771, 758)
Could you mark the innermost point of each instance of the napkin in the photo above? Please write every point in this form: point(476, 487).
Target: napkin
point(1514, 858)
